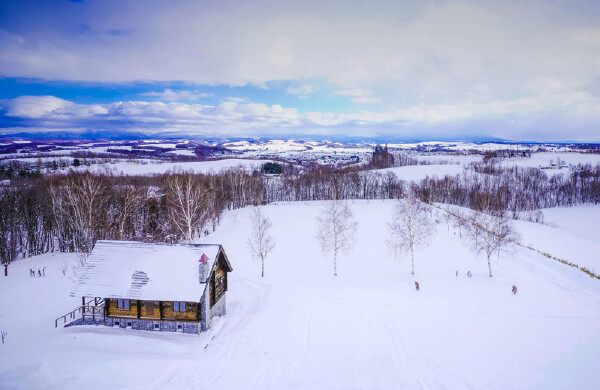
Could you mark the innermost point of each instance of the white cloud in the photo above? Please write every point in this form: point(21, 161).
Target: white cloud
point(303, 91)
point(349, 44)
point(561, 111)
point(169, 95)
point(565, 105)
point(360, 96)
point(353, 92)
point(365, 100)
point(237, 99)
point(157, 116)
point(50, 107)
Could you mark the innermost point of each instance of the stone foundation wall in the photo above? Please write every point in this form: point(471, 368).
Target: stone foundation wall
point(220, 308)
point(159, 326)
point(134, 323)
point(86, 321)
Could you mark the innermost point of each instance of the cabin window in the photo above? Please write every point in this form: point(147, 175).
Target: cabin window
point(123, 304)
point(178, 306)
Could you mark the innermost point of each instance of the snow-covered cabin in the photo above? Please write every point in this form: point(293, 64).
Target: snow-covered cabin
point(151, 286)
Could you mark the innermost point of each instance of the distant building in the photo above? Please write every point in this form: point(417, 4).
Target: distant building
point(146, 286)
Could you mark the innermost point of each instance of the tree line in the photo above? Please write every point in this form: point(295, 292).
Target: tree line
point(518, 190)
point(70, 212)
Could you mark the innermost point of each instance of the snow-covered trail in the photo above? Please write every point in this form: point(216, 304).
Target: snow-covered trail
point(299, 327)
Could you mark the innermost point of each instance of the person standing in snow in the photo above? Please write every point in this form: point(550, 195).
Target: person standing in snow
point(514, 289)
point(417, 285)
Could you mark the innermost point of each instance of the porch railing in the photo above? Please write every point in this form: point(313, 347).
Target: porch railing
point(92, 307)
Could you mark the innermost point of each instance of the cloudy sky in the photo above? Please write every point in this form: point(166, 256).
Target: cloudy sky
point(517, 70)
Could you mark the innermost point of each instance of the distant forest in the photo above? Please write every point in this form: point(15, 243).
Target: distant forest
point(70, 212)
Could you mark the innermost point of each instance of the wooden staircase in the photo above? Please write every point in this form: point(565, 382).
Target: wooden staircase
point(91, 308)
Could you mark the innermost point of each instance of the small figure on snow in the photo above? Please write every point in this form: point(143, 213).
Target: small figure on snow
point(417, 285)
point(39, 273)
point(5, 269)
point(44, 272)
point(457, 273)
point(514, 289)
point(469, 274)
point(31, 272)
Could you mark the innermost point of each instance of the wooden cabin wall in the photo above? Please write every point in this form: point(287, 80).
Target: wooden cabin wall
point(150, 309)
point(114, 311)
point(192, 312)
point(223, 265)
point(218, 282)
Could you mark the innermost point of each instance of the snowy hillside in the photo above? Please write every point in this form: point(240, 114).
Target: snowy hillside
point(149, 167)
point(302, 328)
point(417, 173)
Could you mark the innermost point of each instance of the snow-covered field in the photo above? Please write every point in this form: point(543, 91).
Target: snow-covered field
point(151, 167)
point(570, 233)
point(451, 165)
point(438, 159)
point(302, 328)
point(419, 172)
point(538, 160)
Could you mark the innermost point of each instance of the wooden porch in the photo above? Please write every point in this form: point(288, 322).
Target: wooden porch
point(91, 307)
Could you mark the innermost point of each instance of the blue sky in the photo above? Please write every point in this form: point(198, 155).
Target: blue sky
point(517, 70)
point(273, 92)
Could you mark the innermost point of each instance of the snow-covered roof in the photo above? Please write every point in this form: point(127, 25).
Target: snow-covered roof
point(146, 271)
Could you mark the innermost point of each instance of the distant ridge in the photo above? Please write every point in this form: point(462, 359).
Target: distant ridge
point(129, 135)
point(132, 136)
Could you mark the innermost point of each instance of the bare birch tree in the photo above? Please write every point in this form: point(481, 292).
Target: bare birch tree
point(79, 205)
point(130, 202)
point(460, 222)
point(9, 227)
point(336, 229)
point(488, 233)
point(188, 204)
point(411, 227)
point(260, 241)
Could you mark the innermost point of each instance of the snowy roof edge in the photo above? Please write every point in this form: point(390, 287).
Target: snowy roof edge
point(113, 264)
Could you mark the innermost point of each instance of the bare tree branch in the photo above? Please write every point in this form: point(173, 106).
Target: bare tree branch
point(188, 204)
point(411, 227)
point(260, 242)
point(488, 233)
point(336, 229)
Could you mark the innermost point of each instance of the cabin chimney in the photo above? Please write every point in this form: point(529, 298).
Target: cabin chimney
point(203, 263)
